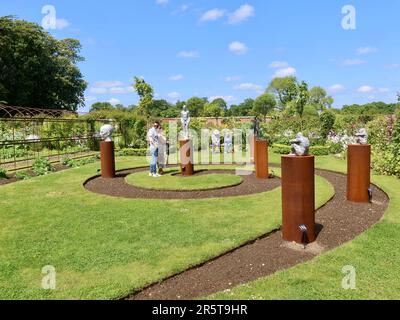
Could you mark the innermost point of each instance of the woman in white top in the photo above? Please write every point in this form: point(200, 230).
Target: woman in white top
point(162, 151)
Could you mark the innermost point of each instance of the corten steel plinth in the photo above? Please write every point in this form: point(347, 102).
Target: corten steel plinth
point(107, 159)
point(358, 173)
point(261, 159)
point(298, 198)
point(253, 139)
point(186, 153)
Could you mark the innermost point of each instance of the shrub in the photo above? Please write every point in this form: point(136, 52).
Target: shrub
point(22, 175)
point(42, 166)
point(73, 163)
point(327, 119)
point(3, 173)
point(314, 150)
point(131, 152)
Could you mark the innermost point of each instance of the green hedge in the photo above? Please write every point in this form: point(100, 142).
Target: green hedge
point(131, 152)
point(314, 150)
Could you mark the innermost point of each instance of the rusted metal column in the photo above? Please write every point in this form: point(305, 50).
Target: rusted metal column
point(359, 173)
point(186, 153)
point(298, 199)
point(107, 159)
point(261, 159)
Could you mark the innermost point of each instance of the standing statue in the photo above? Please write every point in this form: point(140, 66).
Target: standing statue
point(106, 132)
point(256, 127)
point(228, 140)
point(185, 120)
point(216, 141)
point(300, 145)
point(362, 137)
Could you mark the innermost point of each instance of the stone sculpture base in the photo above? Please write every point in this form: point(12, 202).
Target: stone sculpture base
point(186, 154)
point(358, 173)
point(261, 159)
point(107, 159)
point(298, 198)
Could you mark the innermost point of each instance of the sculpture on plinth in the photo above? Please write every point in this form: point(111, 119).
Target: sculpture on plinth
point(216, 141)
point(300, 145)
point(107, 151)
point(362, 136)
point(256, 127)
point(185, 120)
point(228, 142)
point(106, 132)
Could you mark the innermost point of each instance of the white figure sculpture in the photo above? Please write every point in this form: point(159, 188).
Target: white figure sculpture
point(300, 145)
point(228, 140)
point(106, 132)
point(362, 137)
point(185, 120)
point(216, 141)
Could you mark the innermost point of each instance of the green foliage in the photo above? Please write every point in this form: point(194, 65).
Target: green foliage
point(128, 152)
point(369, 110)
point(302, 98)
point(145, 93)
point(327, 119)
point(3, 173)
point(42, 166)
point(22, 175)
point(314, 150)
point(196, 106)
point(264, 104)
point(101, 106)
point(285, 89)
point(244, 109)
point(320, 99)
point(36, 69)
point(213, 110)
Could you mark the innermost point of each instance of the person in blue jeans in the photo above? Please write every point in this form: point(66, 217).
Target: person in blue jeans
point(152, 137)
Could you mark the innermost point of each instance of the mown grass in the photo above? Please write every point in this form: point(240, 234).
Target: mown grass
point(104, 247)
point(171, 181)
point(374, 254)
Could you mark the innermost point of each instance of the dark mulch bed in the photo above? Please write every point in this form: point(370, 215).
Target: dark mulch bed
point(12, 178)
point(339, 220)
point(119, 188)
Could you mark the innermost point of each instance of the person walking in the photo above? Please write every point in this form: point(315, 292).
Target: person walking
point(153, 139)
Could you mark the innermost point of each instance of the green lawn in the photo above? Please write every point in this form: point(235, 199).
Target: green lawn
point(171, 181)
point(104, 247)
point(375, 255)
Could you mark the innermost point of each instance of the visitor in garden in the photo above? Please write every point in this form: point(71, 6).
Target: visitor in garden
point(153, 138)
point(162, 151)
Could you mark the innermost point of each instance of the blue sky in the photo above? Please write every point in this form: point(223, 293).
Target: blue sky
point(229, 49)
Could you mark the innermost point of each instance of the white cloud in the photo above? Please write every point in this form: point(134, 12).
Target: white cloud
point(174, 95)
point(162, 2)
point(242, 14)
point(365, 89)
point(248, 87)
point(189, 54)
point(232, 78)
point(285, 72)
point(352, 62)
point(212, 15)
point(366, 50)
point(177, 77)
point(228, 99)
point(90, 99)
point(96, 90)
point(238, 48)
point(114, 101)
point(278, 64)
point(108, 84)
point(383, 90)
point(62, 23)
point(121, 90)
point(336, 88)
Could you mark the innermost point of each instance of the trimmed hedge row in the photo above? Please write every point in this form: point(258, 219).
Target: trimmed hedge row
point(128, 152)
point(314, 150)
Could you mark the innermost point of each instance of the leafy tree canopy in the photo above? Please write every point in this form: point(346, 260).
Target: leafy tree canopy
point(37, 70)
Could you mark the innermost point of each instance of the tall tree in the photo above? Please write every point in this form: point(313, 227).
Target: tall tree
point(196, 106)
point(146, 93)
point(320, 99)
point(302, 98)
point(264, 104)
point(242, 110)
point(37, 70)
point(101, 106)
point(285, 89)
